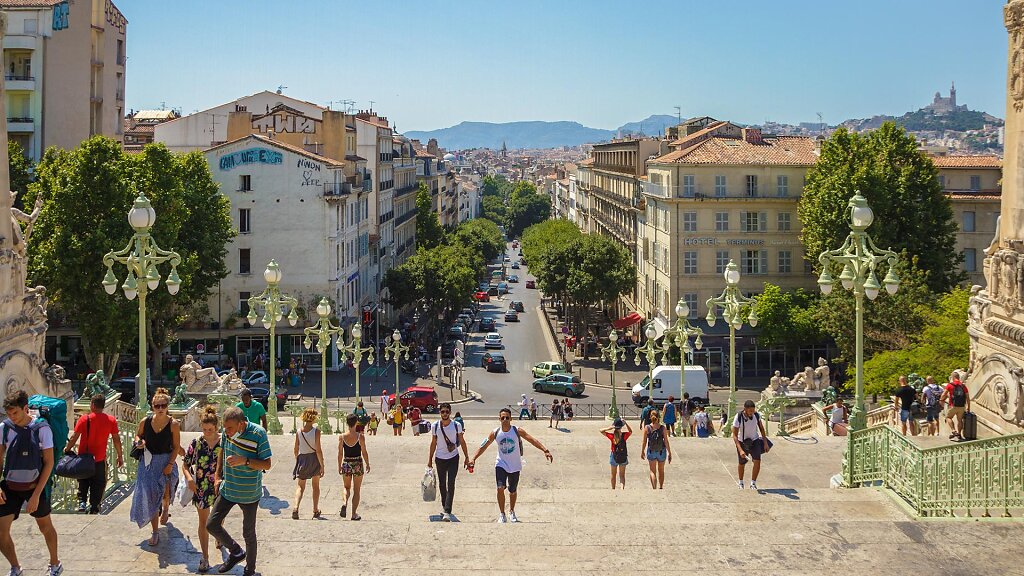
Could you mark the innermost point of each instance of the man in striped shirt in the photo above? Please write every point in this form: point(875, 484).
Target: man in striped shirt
point(239, 481)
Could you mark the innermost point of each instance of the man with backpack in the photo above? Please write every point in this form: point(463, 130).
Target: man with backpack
point(751, 441)
point(27, 457)
point(94, 428)
point(959, 399)
point(686, 409)
point(645, 414)
point(509, 462)
point(932, 394)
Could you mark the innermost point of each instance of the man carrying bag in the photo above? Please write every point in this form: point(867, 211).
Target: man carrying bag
point(94, 428)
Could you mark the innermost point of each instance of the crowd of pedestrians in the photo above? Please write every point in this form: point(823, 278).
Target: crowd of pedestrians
point(932, 399)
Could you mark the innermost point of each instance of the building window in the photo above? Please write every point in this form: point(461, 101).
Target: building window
point(721, 221)
point(784, 221)
point(754, 262)
point(968, 221)
point(754, 221)
point(970, 260)
point(691, 302)
point(785, 261)
point(720, 186)
point(721, 260)
point(244, 266)
point(782, 185)
point(32, 26)
point(243, 221)
point(244, 183)
point(751, 185)
point(690, 262)
point(689, 221)
point(975, 183)
point(243, 303)
point(689, 186)
point(942, 182)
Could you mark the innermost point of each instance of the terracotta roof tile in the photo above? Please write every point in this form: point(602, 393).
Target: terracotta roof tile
point(587, 161)
point(973, 196)
point(780, 150)
point(28, 3)
point(961, 161)
point(697, 135)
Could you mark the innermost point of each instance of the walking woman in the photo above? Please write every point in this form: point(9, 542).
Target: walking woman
point(656, 449)
point(619, 457)
point(353, 462)
point(309, 461)
point(556, 414)
point(200, 468)
point(157, 477)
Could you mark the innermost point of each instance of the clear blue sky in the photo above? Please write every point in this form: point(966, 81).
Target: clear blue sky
point(430, 64)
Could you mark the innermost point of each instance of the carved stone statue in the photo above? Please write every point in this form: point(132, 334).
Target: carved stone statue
point(95, 383)
point(20, 240)
point(803, 380)
point(822, 378)
point(195, 376)
point(227, 382)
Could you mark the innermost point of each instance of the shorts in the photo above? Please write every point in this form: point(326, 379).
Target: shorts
point(956, 411)
point(659, 456)
point(613, 463)
point(506, 479)
point(397, 425)
point(904, 415)
point(934, 412)
point(15, 499)
point(756, 449)
point(352, 467)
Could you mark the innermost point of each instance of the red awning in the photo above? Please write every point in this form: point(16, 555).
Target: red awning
point(627, 320)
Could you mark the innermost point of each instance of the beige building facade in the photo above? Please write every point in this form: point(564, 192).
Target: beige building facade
point(64, 72)
point(974, 185)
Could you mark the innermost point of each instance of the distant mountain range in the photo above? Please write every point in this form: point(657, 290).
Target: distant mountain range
point(535, 134)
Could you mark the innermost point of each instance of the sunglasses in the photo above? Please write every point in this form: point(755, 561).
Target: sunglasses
point(446, 411)
point(503, 418)
point(159, 406)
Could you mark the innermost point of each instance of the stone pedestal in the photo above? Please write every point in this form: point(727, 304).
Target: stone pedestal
point(187, 414)
point(84, 405)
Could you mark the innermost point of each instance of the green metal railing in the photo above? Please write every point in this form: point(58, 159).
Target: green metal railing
point(64, 498)
point(953, 480)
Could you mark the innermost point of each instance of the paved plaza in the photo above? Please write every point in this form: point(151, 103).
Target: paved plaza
point(572, 523)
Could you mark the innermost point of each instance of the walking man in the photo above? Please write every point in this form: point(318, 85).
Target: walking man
point(94, 429)
point(27, 460)
point(645, 414)
point(931, 394)
point(686, 410)
point(524, 408)
point(254, 411)
point(669, 411)
point(905, 397)
point(446, 439)
point(751, 441)
point(509, 462)
point(245, 456)
point(959, 399)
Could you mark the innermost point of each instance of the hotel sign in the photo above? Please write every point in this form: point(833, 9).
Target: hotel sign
point(713, 241)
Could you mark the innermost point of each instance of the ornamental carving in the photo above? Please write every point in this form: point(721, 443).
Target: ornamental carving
point(1004, 272)
point(1000, 387)
point(1013, 18)
point(1005, 330)
point(1013, 15)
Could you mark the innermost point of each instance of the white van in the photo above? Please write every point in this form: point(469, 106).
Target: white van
point(666, 383)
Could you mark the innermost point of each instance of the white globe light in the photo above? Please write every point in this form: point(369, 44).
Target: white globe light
point(682, 309)
point(732, 276)
point(142, 214)
point(651, 332)
point(357, 330)
point(396, 336)
point(862, 216)
point(323, 308)
point(273, 273)
point(826, 289)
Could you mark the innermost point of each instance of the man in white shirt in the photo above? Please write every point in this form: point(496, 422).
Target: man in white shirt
point(751, 441)
point(446, 439)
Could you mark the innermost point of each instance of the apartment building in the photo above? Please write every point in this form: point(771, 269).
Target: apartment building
point(974, 187)
point(140, 126)
point(404, 201)
point(64, 71)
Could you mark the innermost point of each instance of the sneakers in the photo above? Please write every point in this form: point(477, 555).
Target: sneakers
point(445, 517)
point(740, 484)
point(502, 519)
point(512, 517)
point(15, 572)
point(231, 562)
point(53, 570)
point(82, 508)
point(753, 485)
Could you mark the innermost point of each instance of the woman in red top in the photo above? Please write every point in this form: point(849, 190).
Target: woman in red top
point(619, 457)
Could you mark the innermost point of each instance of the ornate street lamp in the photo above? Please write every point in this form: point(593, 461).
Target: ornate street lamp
point(141, 257)
point(859, 258)
point(324, 331)
point(734, 307)
point(394, 351)
point(681, 331)
point(355, 350)
point(648, 350)
point(613, 353)
point(274, 304)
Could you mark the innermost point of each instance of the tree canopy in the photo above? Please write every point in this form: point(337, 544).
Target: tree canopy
point(20, 168)
point(429, 232)
point(787, 319)
point(900, 184)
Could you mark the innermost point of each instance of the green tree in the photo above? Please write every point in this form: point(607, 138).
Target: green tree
point(444, 275)
point(545, 247)
point(525, 211)
point(481, 236)
point(786, 319)
point(601, 270)
point(493, 208)
point(941, 347)
point(428, 228)
point(20, 167)
point(901, 185)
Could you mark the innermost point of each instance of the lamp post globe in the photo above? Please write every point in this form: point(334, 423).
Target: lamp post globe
point(734, 306)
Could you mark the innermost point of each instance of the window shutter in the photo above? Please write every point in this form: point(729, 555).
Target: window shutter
point(764, 256)
point(763, 224)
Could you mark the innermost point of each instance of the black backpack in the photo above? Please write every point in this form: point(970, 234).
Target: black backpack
point(655, 439)
point(619, 452)
point(959, 395)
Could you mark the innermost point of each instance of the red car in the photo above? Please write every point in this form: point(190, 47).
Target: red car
point(422, 397)
point(481, 296)
point(531, 284)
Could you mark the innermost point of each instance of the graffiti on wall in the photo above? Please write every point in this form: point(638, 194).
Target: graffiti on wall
point(310, 172)
point(61, 16)
point(115, 18)
point(283, 123)
point(250, 156)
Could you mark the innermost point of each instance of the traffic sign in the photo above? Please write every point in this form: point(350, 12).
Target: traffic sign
point(200, 349)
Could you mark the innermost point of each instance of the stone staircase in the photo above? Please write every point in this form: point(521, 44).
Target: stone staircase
point(572, 522)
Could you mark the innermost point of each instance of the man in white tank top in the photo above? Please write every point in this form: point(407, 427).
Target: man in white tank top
point(509, 462)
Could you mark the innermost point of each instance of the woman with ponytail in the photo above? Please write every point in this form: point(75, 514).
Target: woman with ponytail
point(200, 469)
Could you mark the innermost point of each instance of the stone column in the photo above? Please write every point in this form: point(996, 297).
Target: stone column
point(1012, 223)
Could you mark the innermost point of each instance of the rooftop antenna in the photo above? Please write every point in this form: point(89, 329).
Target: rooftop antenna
point(371, 105)
point(281, 88)
point(349, 105)
point(821, 124)
point(163, 105)
point(679, 114)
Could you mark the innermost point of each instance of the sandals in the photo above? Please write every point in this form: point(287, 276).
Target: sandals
point(356, 517)
point(154, 539)
point(204, 565)
point(295, 514)
point(316, 514)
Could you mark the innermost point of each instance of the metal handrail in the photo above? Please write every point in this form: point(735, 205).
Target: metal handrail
point(64, 497)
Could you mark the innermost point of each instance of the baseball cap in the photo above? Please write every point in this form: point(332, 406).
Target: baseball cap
point(618, 423)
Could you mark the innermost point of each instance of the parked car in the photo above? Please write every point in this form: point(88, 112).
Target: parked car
point(511, 315)
point(567, 384)
point(482, 296)
point(513, 279)
point(492, 340)
point(517, 305)
point(466, 320)
point(503, 287)
point(492, 291)
point(261, 394)
point(515, 265)
point(494, 362)
point(483, 286)
point(469, 311)
point(457, 332)
point(127, 387)
point(506, 258)
point(422, 397)
point(515, 243)
point(256, 378)
point(531, 284)
point(487, 324)
point(542, 369)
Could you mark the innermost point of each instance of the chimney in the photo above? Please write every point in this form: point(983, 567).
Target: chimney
point(752, 135)
point(270, 134)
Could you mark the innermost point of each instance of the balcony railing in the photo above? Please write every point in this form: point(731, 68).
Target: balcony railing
point(405, 218)
point(403, 191)
point(618, 200)
point(337, 188)
point(19, 120)
point(17, 77)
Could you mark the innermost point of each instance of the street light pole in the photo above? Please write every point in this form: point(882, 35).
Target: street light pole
point(859, 258)
point(681, 331)
point(394, 351)
point(734, 306)
point(612, 353)
point(274, 303)
point(141, 257)
point(355, 350)
point(324, 331)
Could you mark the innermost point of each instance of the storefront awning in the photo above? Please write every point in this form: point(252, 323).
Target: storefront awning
point(627, 320)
